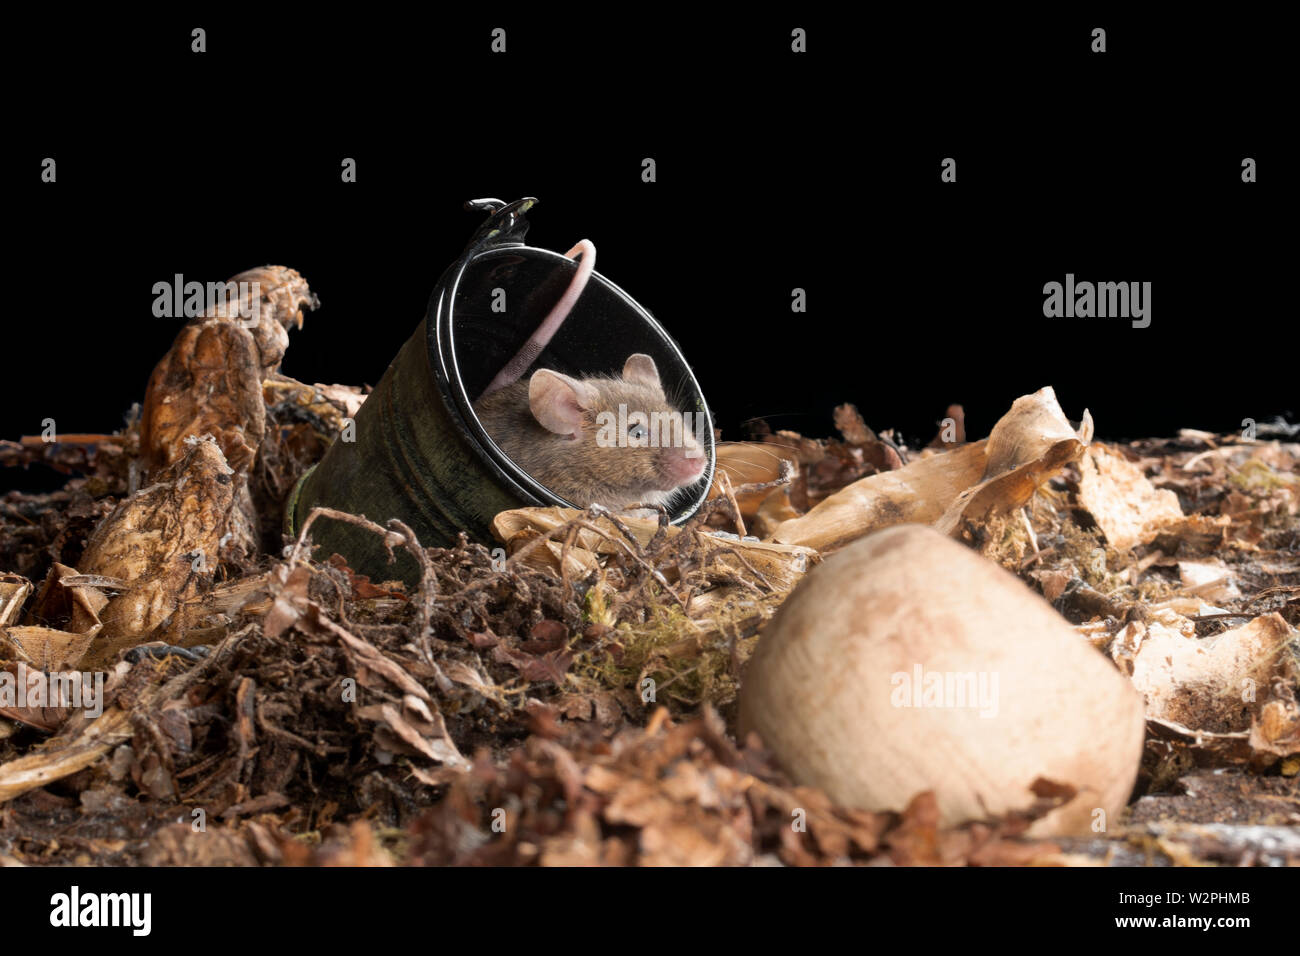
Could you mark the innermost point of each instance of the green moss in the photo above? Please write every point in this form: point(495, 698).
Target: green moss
point(1007, 540)
point(689, 661)
point(1153, 590)
point(596, 609)
point(1091, 557)
point(1256, 475)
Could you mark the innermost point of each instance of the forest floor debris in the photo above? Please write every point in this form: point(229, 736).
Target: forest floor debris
point(575, 703)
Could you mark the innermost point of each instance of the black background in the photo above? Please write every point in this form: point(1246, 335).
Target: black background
point(775, 171)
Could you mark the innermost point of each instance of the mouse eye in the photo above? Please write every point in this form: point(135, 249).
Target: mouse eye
point(637, 433)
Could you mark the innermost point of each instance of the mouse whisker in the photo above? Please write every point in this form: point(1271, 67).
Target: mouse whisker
point(677, 393)
point(756, 450)
point(793, 449)
point(738, 476)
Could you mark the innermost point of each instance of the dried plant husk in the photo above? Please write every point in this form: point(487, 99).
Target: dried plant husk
point(163, 544)
point(61, 623)
point(780, 565)
point(14, 591)
point(954, 489)
point(1127, 508)
point(210, 382)
point(1228, 698)
point(917, 492)
point(57, 631)
point(1030, 444)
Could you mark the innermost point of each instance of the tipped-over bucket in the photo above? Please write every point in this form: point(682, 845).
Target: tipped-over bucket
point(418, 452)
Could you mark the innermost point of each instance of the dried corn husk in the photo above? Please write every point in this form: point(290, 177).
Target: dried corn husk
point(1032, 442)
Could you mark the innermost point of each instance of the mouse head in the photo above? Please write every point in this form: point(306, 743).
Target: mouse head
point(625, 434)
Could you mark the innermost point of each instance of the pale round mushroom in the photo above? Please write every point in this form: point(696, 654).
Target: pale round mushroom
point(907, 662)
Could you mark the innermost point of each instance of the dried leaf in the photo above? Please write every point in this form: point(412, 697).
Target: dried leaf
point(1126, 506)
point(156, 542)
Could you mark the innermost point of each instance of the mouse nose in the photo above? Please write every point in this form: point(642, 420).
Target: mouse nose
point(682, 469)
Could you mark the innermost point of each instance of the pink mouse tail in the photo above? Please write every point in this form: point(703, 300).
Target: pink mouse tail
point(528, 353)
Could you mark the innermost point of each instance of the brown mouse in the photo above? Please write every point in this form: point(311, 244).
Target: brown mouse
point(571, 436)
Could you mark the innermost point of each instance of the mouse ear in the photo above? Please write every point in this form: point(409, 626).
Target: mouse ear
point(640, 368)
point(557, 401)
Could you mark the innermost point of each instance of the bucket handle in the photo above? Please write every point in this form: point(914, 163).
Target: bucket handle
point(505, 223)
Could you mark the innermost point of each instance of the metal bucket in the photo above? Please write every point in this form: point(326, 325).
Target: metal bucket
point(420, 453)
